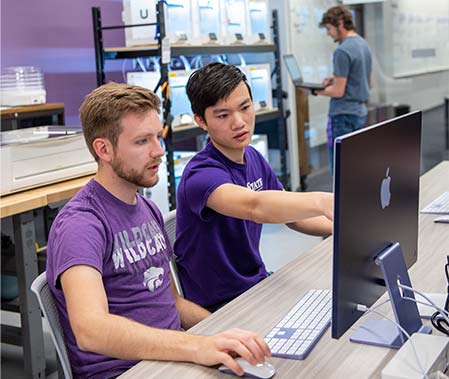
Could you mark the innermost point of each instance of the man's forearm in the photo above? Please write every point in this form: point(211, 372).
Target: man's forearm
point(190, 313)
point(316, 226)
point(283, 207)
point(331, 91)
point(116, 336)
point(119, 337)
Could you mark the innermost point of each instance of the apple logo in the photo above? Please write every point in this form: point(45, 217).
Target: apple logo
point(385, 194)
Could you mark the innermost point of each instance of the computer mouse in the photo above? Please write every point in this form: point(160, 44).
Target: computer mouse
point(444, 219)
point(260, 371)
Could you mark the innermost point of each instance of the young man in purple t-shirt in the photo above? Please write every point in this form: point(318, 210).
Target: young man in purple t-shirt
point(108, 254)
point(228, 191)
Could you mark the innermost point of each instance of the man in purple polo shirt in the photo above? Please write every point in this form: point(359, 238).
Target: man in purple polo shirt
point(228, 191)
point(108, 254)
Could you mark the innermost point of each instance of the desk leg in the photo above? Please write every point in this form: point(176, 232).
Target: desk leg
point(446, 120)
point(30, 313)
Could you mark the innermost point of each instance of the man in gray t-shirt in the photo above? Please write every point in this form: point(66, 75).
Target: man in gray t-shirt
point(352, 69)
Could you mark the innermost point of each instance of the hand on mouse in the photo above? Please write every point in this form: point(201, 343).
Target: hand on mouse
point(219, 348)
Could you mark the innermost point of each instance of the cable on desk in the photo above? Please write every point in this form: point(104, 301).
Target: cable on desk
point(365, 309)
point(439, 318)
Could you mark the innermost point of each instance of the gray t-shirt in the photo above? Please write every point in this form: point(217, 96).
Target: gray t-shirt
point(352, 60)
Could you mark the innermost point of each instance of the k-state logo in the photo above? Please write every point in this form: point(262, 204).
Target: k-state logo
point(256, 185)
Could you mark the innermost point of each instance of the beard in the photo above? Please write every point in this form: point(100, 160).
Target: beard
point(339, 37)
point(140, 179)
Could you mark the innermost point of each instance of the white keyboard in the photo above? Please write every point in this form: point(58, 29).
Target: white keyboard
point(439, 206)
point(296, 334)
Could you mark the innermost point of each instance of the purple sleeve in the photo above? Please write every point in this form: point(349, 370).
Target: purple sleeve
point(77, 240)
point(200, 183)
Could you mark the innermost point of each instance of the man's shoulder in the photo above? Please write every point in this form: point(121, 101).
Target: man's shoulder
point(154, 209)
point(83, 209)
point(205, 158)
point(352, 44)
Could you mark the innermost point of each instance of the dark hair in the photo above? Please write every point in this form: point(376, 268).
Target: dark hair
point(103, 109)
point(212, 83)
point(335, 14)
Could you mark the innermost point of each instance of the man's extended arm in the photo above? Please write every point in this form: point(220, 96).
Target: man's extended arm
point(316, 226)
point(272, 207)
point(99, 331)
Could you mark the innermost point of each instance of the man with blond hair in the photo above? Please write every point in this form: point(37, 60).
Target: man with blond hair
point(108, 254)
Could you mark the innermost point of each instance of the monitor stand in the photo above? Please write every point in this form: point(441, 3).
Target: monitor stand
point(384, 332)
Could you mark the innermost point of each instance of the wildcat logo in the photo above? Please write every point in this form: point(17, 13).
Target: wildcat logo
point(256, 185)
point(153, 278)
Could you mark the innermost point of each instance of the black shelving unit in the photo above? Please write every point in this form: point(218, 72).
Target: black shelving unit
point(180, 133)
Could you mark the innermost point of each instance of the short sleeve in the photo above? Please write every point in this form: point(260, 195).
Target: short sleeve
point(200, 183)
point(342, 63)
point(76, 239)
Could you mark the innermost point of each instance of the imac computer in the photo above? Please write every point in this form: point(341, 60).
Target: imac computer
point(376, 187)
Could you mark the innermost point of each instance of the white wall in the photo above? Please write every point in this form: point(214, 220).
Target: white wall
point(422, 90)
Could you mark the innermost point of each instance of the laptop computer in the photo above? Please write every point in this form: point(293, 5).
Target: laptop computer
point(295, 73)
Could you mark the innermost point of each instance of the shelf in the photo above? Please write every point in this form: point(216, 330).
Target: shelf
point(176, 50)
point(186, 131)
point(268, 115)
point(182, 132)
point(11, 305)
point(31, 115)
point(192, 130)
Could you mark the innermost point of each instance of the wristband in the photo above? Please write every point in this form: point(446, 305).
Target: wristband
point(313, 92)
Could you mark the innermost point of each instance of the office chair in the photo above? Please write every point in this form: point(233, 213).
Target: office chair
point(48, 307)
point(170, 227)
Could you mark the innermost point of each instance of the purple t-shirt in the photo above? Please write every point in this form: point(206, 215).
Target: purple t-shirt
point(218, 256)
point(128, 245)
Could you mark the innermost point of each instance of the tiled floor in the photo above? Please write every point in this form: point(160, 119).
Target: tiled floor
point(279, 244)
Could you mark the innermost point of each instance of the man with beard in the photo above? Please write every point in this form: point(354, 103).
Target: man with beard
point(108, 254)
point(349, 87)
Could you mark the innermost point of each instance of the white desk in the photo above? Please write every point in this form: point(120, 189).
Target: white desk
point(266, 303)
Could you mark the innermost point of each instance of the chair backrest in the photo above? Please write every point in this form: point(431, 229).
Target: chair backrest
point(170, 227)
point(48, 307)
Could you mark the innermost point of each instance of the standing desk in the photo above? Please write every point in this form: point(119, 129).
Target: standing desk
point(260, 308)
point(20, 207)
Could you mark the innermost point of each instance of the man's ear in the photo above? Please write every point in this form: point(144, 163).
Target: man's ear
point(340, 24)
point(103, 148)
point(201, 122)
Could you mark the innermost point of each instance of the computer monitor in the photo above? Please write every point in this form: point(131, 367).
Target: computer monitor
point(376, 187)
